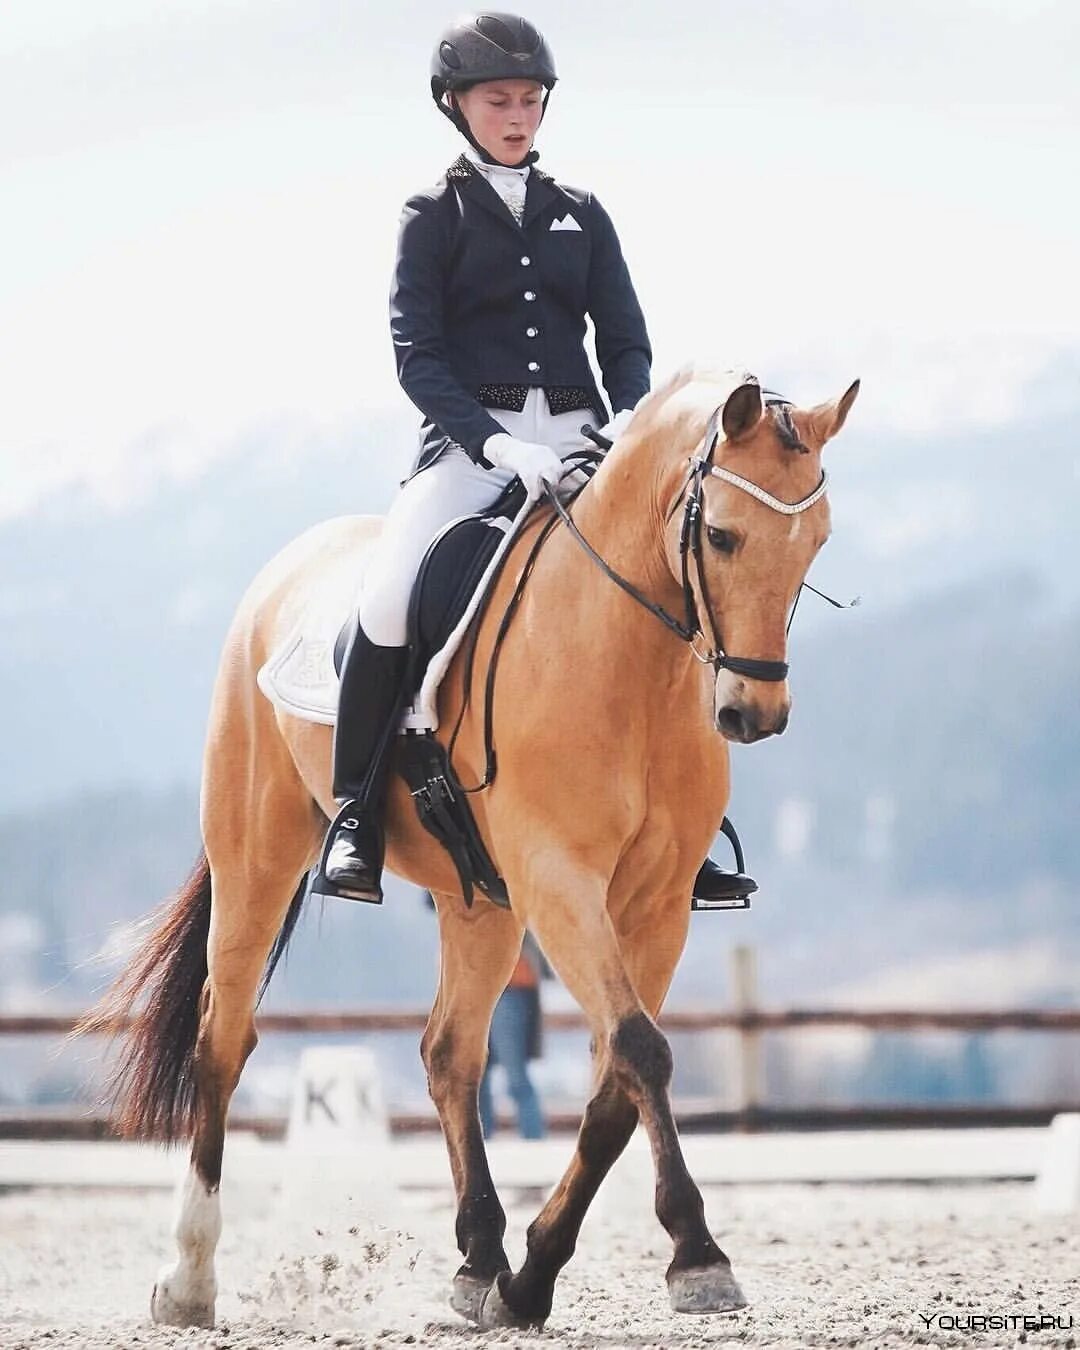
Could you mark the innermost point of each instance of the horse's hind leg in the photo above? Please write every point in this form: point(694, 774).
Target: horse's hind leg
point(239, 944)
point(478, 949)
point(633, 1072)
point(260, 838)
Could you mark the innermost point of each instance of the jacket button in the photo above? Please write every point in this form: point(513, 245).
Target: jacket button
point(525, 262)
point(531, 332)
point(534, 365)
point(530, 295)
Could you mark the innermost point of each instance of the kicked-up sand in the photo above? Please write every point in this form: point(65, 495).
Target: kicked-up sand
point(822, 1265)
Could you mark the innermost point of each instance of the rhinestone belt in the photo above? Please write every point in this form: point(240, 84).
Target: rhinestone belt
point(511, 398)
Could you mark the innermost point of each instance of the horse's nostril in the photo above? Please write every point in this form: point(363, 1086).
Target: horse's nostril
point(732, 723)
point(781, 726)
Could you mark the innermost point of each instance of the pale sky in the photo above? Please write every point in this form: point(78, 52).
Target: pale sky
point(199, 201)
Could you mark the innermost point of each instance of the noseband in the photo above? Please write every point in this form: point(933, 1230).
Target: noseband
point(692, 493)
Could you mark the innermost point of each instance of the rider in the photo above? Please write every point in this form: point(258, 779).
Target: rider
point(497, 267)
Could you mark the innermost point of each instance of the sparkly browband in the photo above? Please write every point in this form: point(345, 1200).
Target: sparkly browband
point(785, 508)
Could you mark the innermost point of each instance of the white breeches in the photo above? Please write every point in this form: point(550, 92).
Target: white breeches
point(451, 487)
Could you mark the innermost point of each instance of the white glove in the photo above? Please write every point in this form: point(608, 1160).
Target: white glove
point(534, 464)
point(618, 424)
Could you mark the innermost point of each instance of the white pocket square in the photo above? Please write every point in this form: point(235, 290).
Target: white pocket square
point(567, 223)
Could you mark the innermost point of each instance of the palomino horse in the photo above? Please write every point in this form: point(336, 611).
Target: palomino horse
point(613, 781)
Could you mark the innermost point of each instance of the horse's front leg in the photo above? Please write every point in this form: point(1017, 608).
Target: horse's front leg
point(576, 933)
point(699, 1277)
point(651, 955)
point(479, 947)
point(525, 1298)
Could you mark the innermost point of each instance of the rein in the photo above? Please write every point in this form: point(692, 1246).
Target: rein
point(587, 461)
point(684, 631)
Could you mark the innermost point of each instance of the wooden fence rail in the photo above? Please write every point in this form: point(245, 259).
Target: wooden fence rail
point(750, 1020)
point(746, 1019)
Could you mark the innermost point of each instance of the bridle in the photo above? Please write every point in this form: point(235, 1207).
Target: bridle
point(688, 629)
point(692, 493)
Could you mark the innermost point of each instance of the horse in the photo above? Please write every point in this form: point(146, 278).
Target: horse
point(612, 731)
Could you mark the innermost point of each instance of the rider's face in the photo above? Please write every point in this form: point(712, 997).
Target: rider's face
point(503, 116)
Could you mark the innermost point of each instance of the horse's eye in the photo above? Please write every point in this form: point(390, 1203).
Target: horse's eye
point(724, 541)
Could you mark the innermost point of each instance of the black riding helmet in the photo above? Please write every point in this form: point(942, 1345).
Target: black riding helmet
point(482, 47)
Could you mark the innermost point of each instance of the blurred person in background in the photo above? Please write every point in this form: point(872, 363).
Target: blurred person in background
point(514, 1040)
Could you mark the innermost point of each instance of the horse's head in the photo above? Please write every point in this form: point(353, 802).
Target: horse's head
point(756, 472)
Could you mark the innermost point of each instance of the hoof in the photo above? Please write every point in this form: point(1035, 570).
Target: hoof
point(709, 1289)
point(196, 1310)
point(495, 1314)
point(467, 1296)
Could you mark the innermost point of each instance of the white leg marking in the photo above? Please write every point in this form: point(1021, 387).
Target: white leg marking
point(185, 1291)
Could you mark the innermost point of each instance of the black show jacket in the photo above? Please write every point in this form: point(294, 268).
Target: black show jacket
point(478, 299)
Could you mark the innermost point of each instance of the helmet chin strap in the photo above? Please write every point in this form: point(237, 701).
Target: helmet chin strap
point(453, 112)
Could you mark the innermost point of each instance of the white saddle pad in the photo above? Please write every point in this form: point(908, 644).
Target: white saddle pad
point(300, 677)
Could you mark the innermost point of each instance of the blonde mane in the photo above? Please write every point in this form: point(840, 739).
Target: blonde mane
point(690, 396)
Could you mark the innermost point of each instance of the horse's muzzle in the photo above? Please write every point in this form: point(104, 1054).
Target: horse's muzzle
point(745, 723)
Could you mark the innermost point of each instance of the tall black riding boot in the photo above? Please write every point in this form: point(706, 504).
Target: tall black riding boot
point(715, 888)
point(368, 708)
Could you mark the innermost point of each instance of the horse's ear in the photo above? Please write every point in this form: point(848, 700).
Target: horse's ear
point(742, 411)
point(827, 418)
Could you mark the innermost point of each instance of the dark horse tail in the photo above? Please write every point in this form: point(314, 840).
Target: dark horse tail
point(151, 1089)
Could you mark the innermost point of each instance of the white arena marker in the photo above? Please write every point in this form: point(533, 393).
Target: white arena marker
point(1057, 1187)
point(338, 1095)
point(338, 1163)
